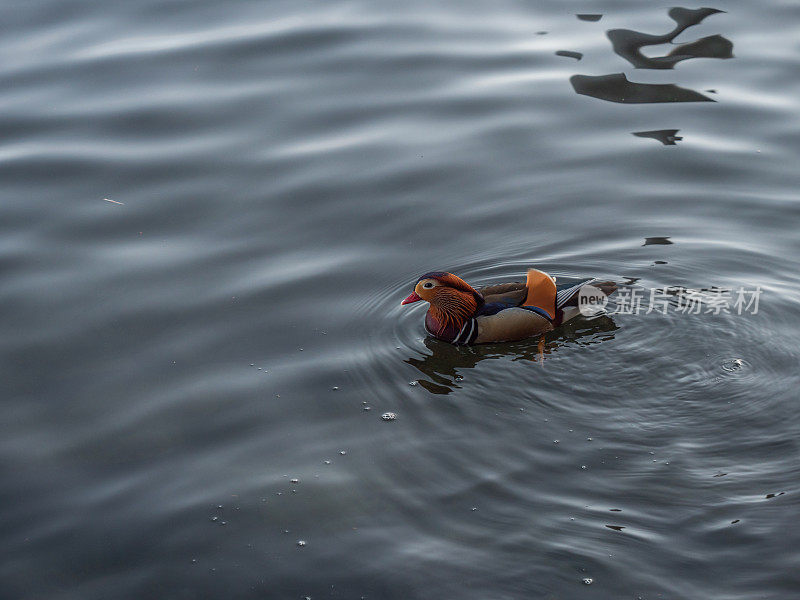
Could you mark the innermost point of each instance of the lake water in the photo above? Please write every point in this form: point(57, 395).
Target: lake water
point(211, 212)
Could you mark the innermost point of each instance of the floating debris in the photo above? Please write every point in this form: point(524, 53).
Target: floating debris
point(112, 201)
point(295, 480)
point(388, 416)
point(301, 543)
point(587, 581)
point(589, 17)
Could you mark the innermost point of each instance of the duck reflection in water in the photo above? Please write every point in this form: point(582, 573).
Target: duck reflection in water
point(443, 365)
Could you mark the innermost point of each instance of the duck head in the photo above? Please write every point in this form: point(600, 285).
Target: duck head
point(452, 301)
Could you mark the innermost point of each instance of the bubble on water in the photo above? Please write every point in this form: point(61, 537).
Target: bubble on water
point(388, 416)
point(587, 581)
point(732, 364)
point(301, 543)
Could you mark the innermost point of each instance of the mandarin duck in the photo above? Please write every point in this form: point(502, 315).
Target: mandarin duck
point(463, 315)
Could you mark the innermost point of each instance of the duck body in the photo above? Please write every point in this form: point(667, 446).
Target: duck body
point(463, 315)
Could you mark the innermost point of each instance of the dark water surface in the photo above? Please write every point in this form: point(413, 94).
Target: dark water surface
point(211, 212)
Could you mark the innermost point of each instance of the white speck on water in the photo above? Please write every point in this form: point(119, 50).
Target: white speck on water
point(584, 467)
point(335, 388)
point(474, 508)
point(587, 581)
point(413, 383)
point(366, 408)
point(214, 518)
point(388, 416)
point(342, 452)
point(327, 462)
point(301, 543)
point(294, 480)
point(588, 439)
point(555, 441)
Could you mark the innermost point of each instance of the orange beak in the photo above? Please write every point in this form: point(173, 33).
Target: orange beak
point(412, 298)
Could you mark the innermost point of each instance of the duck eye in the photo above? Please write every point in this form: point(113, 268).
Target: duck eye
point(427, 285)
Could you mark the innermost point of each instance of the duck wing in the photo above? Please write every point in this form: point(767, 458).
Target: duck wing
point(512, 294)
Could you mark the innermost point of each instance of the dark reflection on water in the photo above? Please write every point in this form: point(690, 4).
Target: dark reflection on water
point(445, 364)
point(657, 241)
point(628, 44)
point(617, 88)
point(569, 54)
point(667, 137)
